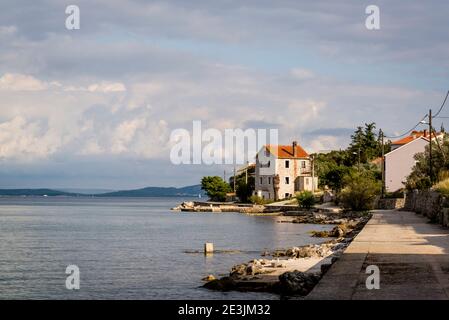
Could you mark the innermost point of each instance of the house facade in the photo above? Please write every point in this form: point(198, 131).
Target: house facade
point(283, 170)
point(400, 161)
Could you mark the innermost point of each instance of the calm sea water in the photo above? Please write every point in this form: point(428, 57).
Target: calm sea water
point(128, 248)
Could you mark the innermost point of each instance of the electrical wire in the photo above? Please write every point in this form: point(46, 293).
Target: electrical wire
point(420, 121)
point(408, 131)
point(442, 105)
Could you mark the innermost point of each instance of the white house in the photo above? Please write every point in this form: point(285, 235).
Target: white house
point(283, 170)
point(400, 160)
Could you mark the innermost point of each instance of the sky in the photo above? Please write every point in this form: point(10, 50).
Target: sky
point(95, 107)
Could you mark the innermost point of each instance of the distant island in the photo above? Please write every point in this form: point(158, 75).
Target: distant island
point(189, 191)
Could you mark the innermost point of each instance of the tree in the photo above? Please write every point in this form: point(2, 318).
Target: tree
point(365, 144)
point(245, 184)
point(335, 177)
point(360, 192)
point(215, 187)
point(419, 178)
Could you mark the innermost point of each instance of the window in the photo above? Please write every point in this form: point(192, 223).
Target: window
point(287, 164)
point(307, 181)
point(287, 180)
point(269, 180)
point(303, 164)
point(287, 195)
point(261, 180)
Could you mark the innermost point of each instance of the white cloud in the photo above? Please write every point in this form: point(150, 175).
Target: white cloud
point(7, 30)
point(21, 82)
point(27, 140)
point(302, 74)
point(106, 87)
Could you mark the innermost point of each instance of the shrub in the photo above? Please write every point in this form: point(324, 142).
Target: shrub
point(360, 192)
point(305, 199)
point(259, 200)
point(442, 187)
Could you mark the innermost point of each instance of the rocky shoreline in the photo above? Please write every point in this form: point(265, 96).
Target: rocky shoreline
point(294, 271)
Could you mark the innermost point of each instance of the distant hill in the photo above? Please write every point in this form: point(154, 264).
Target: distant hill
point(85, 191)
point(157, 192)
point(35, 192)
point(189, 191)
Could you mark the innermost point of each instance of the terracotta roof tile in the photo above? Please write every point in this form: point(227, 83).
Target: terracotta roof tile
point(414, 135)
point(286, 151)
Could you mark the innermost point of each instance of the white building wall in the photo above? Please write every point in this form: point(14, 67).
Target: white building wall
point(399, 163)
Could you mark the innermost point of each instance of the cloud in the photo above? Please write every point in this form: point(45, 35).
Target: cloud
point(106, 87)
point(20, 82)
point(302, 74)
point(27, 139)
point(104, 99)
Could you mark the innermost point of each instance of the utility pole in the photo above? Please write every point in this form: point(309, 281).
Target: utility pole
point(233, 180)
point(430, 147)
point(224, 175)
point(382, 168)
point(313, 174)
point(246, 173)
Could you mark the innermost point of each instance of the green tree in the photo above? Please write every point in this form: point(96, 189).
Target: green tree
point(335, 177)
point(364, 145)
point(360, 192)
point(215, 187)
point(244, 184)
point(305, 199)
point(419, 178)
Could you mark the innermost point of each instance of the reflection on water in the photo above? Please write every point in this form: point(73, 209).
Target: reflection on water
point(128, 248)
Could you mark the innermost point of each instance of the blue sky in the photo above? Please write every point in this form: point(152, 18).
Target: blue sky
point(95, 107)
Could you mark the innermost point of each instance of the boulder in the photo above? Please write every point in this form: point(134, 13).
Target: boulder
point(238, 270)
point(209, 278)
point(297, 282)
point(222, 284)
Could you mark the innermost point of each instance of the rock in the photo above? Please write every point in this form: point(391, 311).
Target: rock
point(297, 282)
point(209, 278)
point(338, 232)
point(222, 284)
point(253, 269)
point(328, 196)
point(239, 269)
point(325, 267)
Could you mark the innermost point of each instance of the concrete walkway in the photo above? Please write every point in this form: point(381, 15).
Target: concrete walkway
point(412, 256)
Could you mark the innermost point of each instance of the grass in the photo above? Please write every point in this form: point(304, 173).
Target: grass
point(442, 187)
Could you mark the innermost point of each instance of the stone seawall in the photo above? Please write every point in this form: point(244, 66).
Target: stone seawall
point(430, 204)
point(390, 204)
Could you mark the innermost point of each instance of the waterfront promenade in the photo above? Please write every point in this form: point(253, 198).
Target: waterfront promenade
point(412, 256)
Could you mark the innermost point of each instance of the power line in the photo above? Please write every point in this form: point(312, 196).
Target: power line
point(442, 105)
point(420, 121)
point(408, 131)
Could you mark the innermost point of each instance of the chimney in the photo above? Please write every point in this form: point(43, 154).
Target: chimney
point(294, 144)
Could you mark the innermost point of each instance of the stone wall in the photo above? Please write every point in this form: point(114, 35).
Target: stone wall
point(430, 204)
point(390, 204)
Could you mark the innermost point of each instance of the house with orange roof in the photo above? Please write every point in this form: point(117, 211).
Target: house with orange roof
point(399, 162)
point(283, 170)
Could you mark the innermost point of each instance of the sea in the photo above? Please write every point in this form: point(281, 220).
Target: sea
point(129, 248)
